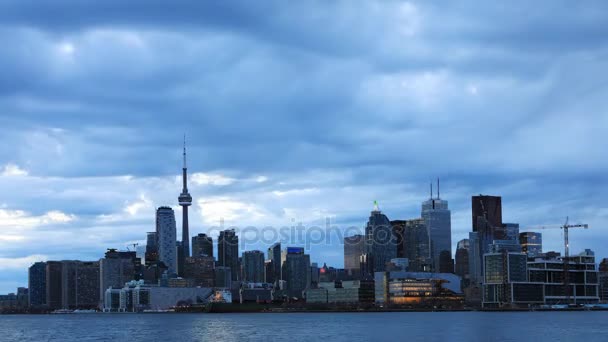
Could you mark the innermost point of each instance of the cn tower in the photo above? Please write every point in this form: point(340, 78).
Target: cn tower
point(185, 200)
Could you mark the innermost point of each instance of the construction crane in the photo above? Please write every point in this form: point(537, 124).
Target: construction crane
point(566, 226)
point(134, 246)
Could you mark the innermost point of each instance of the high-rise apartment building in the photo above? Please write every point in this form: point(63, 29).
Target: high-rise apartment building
point(166, 238)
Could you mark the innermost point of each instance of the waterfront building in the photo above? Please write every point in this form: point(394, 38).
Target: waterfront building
point(531, 243)
point(342, 292)
point(513, 280)
point(80, 284)
point(116, 269)
point(166, 238)
point(185, 200)
point(437, 218)
point(136, 296)
point(380, 243)
point(399, 288)
point(296, 271)
point(354, 248)
point(253, 266)
point(228, 252)
point(256, 293)
point(54, 292)
point(37, 285)
point(202, 245)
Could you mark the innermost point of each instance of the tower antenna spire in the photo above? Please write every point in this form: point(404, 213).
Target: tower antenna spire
point(184, 150)
point(438, 188)
point(431, 190)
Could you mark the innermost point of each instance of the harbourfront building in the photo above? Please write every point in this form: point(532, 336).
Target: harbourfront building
point(462, 259)
point(54, 292)
point(512, 280)
point(80, 284)
point(416, 245)
point(408, 288)
point(166, 238)
point(342, 292)
point(37, 285)
point(116, 269)
point(228, 252)
point(437, 218)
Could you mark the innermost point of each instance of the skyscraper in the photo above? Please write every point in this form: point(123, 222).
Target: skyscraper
point(512, 231)
point(462, 258)
point(487, 224)
point(437, 218)
point(417, 245)
point(37, 284)
point(165, 235)
point(202, 245)
point(151, 249)
point(296, 271)
point(253, 266)
point(354, 247)
point(185, 200)
point(274, 255)
point(80, 284)
point(381, 245)
point(228, 252)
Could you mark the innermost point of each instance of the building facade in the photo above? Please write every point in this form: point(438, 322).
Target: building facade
point(354, 248)
point(37, 285)
point(253, 266)
point(531, 243)
point(437, 218)
point(380, 243)
point(228, 252)
point(202, 245)
point(296, 271)
point(166, 238)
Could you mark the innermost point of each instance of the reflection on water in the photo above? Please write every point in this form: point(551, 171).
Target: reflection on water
point(427, 326)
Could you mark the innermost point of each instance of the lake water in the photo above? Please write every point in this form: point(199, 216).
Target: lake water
point(393, 326)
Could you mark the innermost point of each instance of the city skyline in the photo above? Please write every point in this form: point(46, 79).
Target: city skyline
point(294, 113)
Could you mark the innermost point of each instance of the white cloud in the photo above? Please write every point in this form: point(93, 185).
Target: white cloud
point(20, 263)
point(200, 178)
point(11, 170)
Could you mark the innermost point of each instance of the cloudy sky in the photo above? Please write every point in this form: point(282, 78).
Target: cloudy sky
point(295, 112)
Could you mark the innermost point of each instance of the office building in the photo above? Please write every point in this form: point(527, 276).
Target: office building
point(166, 239)
point(274, 255)
point(416, 245)
point(253, 266)
point(342, 292)
point(37, 285)
point(54, 292)
point(202, 245)
point(296, 271)
point(201, 270)
point(531, 243)
point(228, 252)
point(116, 269)
point(511, 231)
point(151, 249)
point(380, 243)
point(354, 248)
point(462, 259)
point(437, 218)
point(223, 277)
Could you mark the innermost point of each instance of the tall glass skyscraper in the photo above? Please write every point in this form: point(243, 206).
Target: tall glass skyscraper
point(380, 242)
point(253, 266)
point(166, 238)
point(228, 252)
point(354, 247)
point(438, 220)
